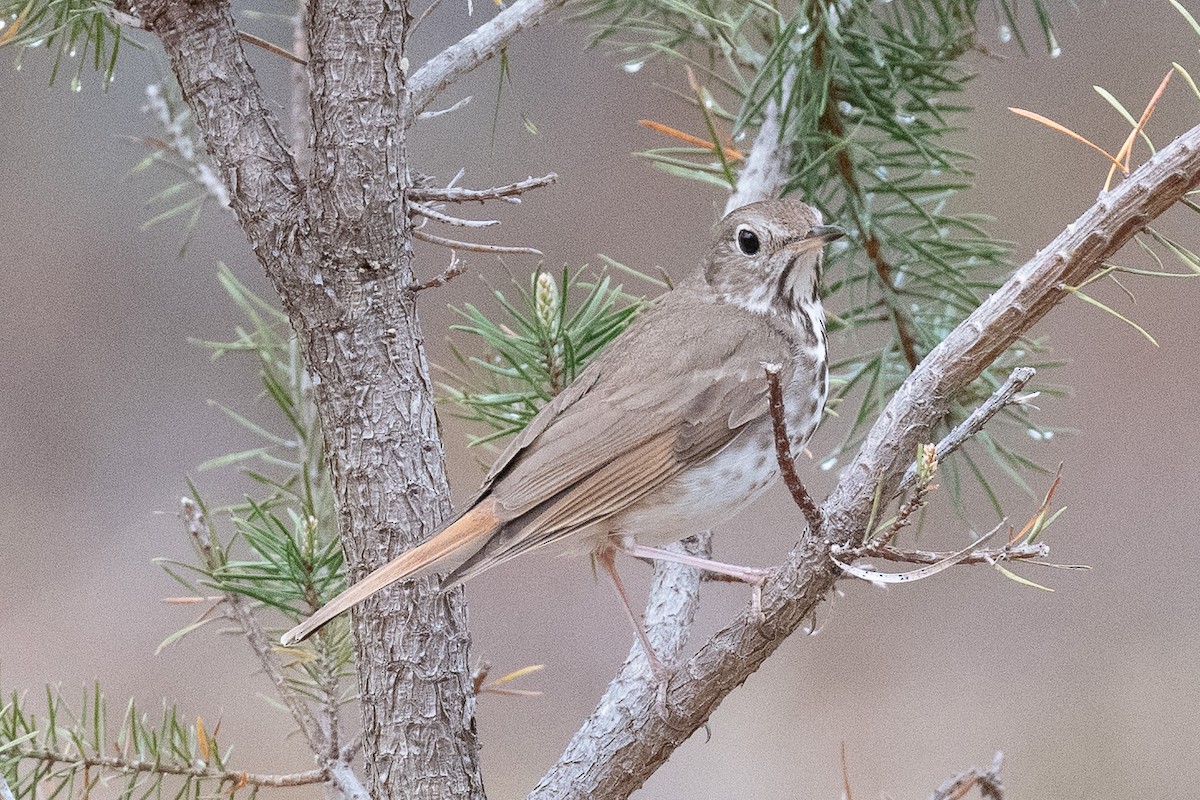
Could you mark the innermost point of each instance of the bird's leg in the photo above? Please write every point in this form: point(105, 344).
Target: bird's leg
point(754, 576)
point(605, 558)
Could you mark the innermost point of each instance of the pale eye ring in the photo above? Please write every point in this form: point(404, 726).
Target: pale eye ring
point(747, 241)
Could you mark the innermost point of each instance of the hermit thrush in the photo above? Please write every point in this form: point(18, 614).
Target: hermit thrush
point(668, 432)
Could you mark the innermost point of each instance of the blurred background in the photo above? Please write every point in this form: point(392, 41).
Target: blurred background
point(1092, 691)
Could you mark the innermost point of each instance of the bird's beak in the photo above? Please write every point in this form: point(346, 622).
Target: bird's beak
point(827, 233)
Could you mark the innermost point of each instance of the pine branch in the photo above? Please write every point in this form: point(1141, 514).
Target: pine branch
point(51, 755)
point(321, 736)
point(630, 748)
point(240, 131)
point(132, 766)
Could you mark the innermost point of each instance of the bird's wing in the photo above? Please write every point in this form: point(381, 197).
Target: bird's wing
point(648, 412)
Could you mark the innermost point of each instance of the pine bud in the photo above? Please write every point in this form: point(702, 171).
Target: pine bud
point(546, 301)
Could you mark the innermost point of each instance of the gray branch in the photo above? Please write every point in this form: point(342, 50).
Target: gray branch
point(974, 423)
point(453, 194)
point(472, 50)
point(630, 746)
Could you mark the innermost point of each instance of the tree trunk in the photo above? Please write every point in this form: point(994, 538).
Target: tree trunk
point(337, 247)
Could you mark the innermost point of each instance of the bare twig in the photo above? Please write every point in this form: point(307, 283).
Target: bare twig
point(473, 49)
point(298, 118)
point(975, 422)
point(424, 115)
point(432, 213)
point(134, 765)
point(987, 781)
point(5, 791)
point(409, 30)
point(271, 47)
point(928, 571)
point(238, 609)
point(452, 271)
point(453, 194)
point(455, 244)
point(629, 745)
point(783, 452)
point(1024, 552)
point(845, 773)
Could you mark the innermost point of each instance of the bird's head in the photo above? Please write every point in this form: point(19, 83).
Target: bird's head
point(766, 256)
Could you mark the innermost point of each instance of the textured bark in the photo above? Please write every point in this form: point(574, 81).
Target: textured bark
point(366, 346)
point(338, 253)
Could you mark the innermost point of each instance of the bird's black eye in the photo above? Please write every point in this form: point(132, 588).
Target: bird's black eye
point(747, 241)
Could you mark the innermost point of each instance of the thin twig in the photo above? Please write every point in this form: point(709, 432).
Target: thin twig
point(424, 115)
point(350, 750)
point(947, 561)
point(783, 452)
point(975, 422)
point(1024, 552)
point(473, 49)
point(271, 47)
point(298, 116)
point(432, 213)
point(452, 271)
point(455, 244)
point(988, 782)
point(239, 610)
point(453, 194)
point(134, 765)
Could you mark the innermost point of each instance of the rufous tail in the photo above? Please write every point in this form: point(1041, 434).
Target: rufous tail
point(457, 542)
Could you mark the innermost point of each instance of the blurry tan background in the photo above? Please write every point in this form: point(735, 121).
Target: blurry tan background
point(1092, 692)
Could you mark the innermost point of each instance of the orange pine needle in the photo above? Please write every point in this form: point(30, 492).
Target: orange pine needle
point(1035, 520)
point(201, 739)
point(520, 673)
point(15, 27)
point(730, 153)
point(1126, 150)
point(1051, 124)
point(845, 774)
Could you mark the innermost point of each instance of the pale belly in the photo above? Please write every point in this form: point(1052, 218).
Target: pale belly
point(714, 491)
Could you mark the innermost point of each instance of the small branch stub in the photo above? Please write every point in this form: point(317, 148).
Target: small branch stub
point(783, 452)
point(452, 271)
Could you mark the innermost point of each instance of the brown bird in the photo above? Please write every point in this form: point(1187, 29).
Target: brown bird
point(668, 432)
